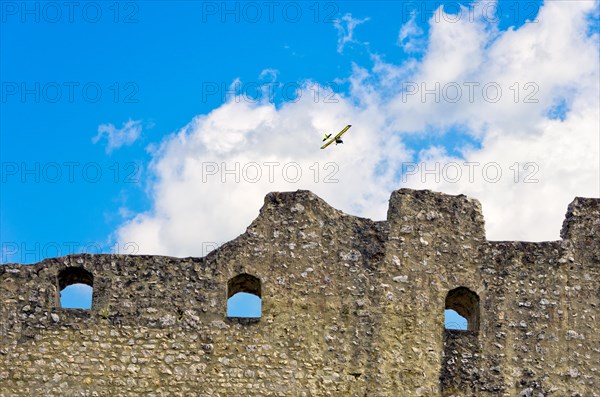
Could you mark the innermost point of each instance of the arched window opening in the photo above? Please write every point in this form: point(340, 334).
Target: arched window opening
point(76, 288)
point(244, 296)
point(462, 306)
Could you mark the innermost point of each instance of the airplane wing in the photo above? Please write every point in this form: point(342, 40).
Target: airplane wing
point(328, 143)
point(342, 132)
point(336, 137)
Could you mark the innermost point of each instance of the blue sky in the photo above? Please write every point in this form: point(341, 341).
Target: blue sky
point(106, 87)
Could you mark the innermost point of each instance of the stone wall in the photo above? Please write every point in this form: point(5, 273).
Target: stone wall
point(350, 307)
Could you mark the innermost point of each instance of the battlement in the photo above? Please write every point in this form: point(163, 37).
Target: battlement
point(350, 307)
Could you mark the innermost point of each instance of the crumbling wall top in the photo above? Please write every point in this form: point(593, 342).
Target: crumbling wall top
point(582, 220)
point(432, 210)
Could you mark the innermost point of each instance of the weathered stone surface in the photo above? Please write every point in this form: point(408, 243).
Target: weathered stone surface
point(351, 307)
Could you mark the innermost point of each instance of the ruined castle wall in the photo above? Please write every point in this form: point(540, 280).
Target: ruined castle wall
point(350, 307)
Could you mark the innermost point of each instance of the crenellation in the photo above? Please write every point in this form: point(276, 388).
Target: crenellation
point(350, 307)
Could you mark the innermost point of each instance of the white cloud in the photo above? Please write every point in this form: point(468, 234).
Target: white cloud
point(410, 36)
point(193, 208)
point(125, 136)
point(269, 74)
point(558, 60)
point(198, 203)
point(345, 27)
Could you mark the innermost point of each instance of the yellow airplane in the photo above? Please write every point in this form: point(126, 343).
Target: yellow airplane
point(335, 139)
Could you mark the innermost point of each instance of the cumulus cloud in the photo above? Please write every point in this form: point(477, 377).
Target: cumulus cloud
point(211, 176)
point(545, 161)
point(117, 137)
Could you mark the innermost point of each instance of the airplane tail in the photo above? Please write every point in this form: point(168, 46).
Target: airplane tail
point(326, 137)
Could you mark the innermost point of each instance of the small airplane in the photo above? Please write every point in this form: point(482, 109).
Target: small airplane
point(335, 139)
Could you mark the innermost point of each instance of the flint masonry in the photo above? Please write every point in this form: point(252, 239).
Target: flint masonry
point(350, 307)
